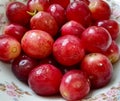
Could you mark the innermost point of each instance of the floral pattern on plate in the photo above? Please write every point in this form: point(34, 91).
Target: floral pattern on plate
point(12, 89)
point(112, 94)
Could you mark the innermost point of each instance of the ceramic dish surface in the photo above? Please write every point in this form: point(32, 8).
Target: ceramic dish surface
point(11, 89)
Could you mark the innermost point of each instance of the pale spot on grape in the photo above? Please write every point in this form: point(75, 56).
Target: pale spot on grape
point(113, 58)
point(111, 51)
point(77, 84)
point(22, 63)
point(14, 49)
point(65, 94)
point(90, 77)
point(68, 79)
point(91, 31)
point(100, 64)
point(38, 72)
point(65, 42)
point(53, 9)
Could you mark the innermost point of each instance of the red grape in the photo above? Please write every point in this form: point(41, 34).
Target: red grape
point(16, 12)
point(74, 85)
point(15, 30)
point(9, 48)
point(44, 21)
point(48, 79)
point(58, 12)
point(100, 10)
point(111, 25)
point(96, 39)
point(22, 66)
point(37, 5)
point(68, 50)
point(37, 44)
point(79, 11)
point(113, 52)
point(63, 3)
point(72, 28)
point(98, 68)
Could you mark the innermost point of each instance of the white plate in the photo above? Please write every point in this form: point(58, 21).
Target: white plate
point(11, 89)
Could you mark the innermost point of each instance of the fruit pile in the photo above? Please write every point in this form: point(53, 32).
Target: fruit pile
point(61, 47)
